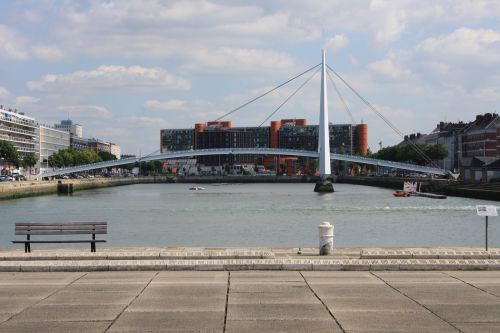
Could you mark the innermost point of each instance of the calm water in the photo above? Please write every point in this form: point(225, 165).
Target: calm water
point(258, 215)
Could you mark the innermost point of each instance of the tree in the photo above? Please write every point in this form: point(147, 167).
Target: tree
point(87, 157)
point(436, 152)
point(106, 156)
point(29, 161)
point(9, 153)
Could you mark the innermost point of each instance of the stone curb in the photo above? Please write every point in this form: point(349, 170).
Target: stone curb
point(137, 256)
point(429, 254)
point(251, 264)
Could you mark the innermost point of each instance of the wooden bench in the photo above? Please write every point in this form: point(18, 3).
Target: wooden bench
point(60, 228)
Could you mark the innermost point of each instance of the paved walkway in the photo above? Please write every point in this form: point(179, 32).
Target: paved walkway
point(237, 259)
point(250, 301)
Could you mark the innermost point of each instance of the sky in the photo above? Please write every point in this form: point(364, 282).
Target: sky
point(126, 69)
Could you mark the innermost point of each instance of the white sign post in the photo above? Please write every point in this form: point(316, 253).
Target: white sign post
point(485, 210)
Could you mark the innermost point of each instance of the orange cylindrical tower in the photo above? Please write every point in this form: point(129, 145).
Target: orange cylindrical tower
point(214, 123)
point(274, 134)
point(362, 139)
point(300, 122)
point(198, 128)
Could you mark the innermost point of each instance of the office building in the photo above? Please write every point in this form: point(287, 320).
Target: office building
point(51, 141)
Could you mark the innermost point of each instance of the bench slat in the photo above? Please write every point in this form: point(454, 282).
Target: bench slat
point(41, 227)
point(58, 223)
point(59, 232)
point(62, 241)
point(60, 229)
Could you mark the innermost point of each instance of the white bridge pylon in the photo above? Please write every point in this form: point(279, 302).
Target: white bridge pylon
point(324, 133)
point(240, 151)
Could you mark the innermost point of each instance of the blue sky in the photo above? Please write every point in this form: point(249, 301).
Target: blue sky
point(126, 69)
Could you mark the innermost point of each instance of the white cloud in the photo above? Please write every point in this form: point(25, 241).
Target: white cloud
point(131, 78)
point(4, 93)
point(239, 60)
point(155, 122)
point(85, 112)
point(170, 105)
point(25, 100)
point(337, 43)
point(387, 67)
point(48, 53)
point(11, 44)
point(479, 44)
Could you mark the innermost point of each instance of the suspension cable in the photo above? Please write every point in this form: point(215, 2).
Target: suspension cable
point(266, 93)
point(290, 97)
point(387, 121)
point(341, 98)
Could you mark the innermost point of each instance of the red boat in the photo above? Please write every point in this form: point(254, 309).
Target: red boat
point(401, 194)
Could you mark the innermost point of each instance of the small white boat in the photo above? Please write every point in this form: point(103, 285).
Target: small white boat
point(196, 188)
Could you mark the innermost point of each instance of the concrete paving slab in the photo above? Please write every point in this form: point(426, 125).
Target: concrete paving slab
point(190, 277)
point(15, 304)
point(355, 291)
point(415, 277)
point(15, 326)
point(447, 294)
point(338, 274)
point(488, 277)
point(107, 287)
point(344, 281)
point(305, 297)
point(179, 303)
point(209, 321)
point(268, 287)
point(164, 291)
point(282, 326)
point(363, 304)
point(111, 277)
point(265, 276)
point(384, 321)
point(41, 278)
point(277, 312)
point(492, 289)
point(478, 327)
point(39, 313)
point(25, 291)
point(5, 316)
point(473, 313)
point(89, 298)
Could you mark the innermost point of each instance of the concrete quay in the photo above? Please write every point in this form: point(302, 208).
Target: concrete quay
point(250, 301)
point(241, 259)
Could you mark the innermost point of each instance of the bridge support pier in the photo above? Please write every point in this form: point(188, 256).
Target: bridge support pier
point(324, 186)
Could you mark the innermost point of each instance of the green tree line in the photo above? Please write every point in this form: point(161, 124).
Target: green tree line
point(408, 153)
point(10, 155)
point(70, 157)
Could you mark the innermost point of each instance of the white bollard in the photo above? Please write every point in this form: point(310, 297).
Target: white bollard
point(325, 238)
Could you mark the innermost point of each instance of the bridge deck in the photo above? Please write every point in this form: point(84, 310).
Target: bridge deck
point(239, 151)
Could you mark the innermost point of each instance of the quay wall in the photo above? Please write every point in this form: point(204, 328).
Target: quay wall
point(396, 183)
point(13, 190)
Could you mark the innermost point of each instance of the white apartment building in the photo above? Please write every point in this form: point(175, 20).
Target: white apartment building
point(20, 130)
point(51, 141)
point(115, 150)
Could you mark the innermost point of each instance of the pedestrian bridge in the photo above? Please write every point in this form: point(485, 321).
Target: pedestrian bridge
point(240, 151)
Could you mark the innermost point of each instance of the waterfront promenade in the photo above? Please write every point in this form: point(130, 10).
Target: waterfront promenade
point(250, 290)
point(250, 301)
